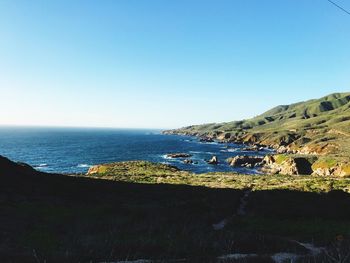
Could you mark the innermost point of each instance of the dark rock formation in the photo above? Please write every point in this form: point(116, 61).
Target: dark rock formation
point(178, 155)
point(206, 139)
point(254, 148)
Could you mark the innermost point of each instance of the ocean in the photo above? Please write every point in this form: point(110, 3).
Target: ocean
point(74, 150)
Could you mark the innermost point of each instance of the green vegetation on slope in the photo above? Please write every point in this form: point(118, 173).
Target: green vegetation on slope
point(146, 172)
point(319, 126)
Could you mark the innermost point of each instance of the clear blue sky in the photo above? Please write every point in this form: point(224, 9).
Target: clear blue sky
point(166, 63)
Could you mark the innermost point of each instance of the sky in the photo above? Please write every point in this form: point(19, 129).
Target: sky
point(166, 63)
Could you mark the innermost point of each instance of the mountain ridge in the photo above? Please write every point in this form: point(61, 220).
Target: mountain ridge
point(313, 127)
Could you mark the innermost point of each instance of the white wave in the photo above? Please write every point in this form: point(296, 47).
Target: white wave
point(232, 150)
point(84, 165)
point(195, 152)
point(41, 166)
point(165, 156)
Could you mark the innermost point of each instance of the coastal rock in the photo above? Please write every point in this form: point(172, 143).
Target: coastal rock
point(213, 160)
point(288, 165)
point(296, 166)
point(206, 139)
point(268, 160)
point(244, 160)
point(93, 169)
point(319, 149)
point(224, 136)
point(254, 148)
point(323, 171)
point(343, 170)
point(251, 138)
point(187, 161)
point(178, 155)
point(331, 168)
point(282, 149)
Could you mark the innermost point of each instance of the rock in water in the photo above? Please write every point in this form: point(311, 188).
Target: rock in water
point(178, 155)
point(206, 139)
point(254, 148)
point(188, 161)
point(213, 160)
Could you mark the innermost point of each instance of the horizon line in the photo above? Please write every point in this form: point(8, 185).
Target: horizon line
point(78, 127)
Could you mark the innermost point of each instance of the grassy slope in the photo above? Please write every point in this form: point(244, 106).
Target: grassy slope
point(321, 124)
point(151, 173)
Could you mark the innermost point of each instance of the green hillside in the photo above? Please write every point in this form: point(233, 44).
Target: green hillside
point(318, 126)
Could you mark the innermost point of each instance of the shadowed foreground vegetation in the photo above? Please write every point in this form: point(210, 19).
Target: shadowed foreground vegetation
point(56, 218)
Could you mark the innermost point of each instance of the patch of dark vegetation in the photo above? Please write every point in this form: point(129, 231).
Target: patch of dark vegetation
point(269, 118)
point(326, 106)
point(56, 218)
point(292, 116)
point(292, 205)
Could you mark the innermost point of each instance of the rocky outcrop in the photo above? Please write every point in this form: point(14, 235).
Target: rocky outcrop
point(206, 139)
point(94, 169)
point(213, 160)
point(330, 167)
point(224, 136)
point(323, 171)
point(178, 155)
point(304, 165)
point(288, 165)
point(245, 160)
point(253, 148)
point(298, 166)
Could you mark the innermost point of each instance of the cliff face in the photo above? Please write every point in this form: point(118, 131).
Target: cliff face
point(316, 127)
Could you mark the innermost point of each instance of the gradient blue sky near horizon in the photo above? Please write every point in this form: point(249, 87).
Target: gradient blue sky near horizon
point(166, 64)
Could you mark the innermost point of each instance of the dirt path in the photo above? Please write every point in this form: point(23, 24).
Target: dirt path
point(279, 257)
point(241, 211)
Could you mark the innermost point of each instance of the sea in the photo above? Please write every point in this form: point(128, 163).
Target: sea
point(75, 150)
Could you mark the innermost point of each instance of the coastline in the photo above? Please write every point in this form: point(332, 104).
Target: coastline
point(288, 158)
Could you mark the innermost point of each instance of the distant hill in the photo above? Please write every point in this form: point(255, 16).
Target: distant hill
point(320, 126)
